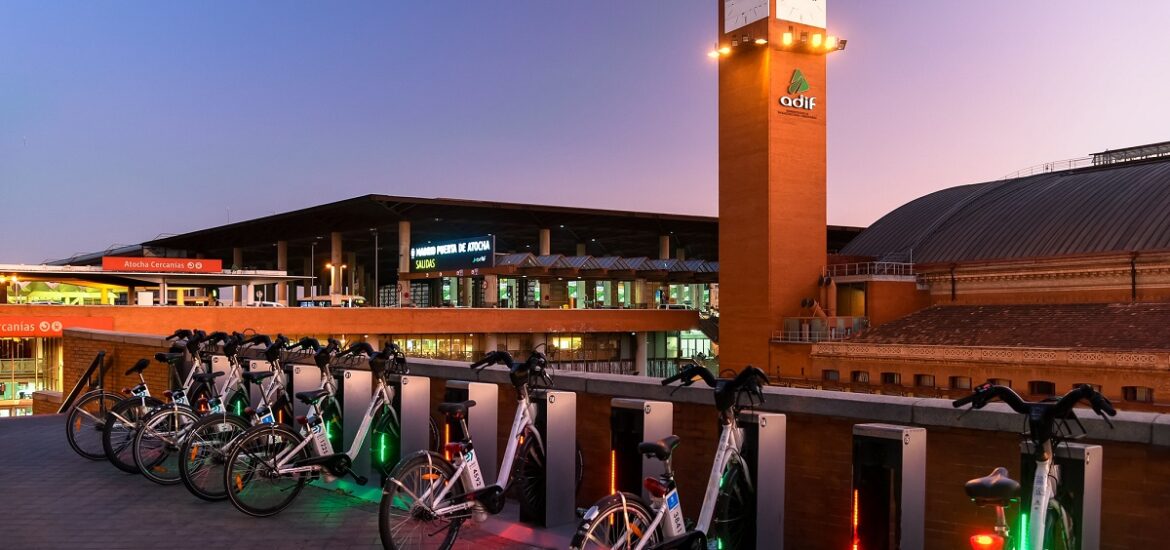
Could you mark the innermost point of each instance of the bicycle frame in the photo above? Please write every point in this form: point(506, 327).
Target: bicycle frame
point(384, 396)
point(1044, 485)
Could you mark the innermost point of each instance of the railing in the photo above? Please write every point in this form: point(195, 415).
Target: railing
point(820, 329)
point(1054, 166)
point(888, 269)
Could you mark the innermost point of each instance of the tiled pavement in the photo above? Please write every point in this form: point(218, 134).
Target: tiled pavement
point(52, 498)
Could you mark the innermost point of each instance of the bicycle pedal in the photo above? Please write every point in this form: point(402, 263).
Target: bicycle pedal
point(361, 480)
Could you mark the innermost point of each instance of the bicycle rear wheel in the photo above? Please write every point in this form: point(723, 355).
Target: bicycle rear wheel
point(156, 445)
point(204, 453)
point(404, 522)
point(122, 424)
point(614, 519)
point(251, 479)
point(86, 420)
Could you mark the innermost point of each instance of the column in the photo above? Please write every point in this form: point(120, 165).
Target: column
point(641, 361)
point(581, 249)
point(490, 343)
point(467, 284)
point(348, 274)
point(545, 242)
point(538, 339)
point(162, 292)
point(590, 293)
point(310, 287)
point(337, 259)
point(237, 264)
point(680, 253)
point(248, 294)
point(640, 299)
point(282, 265)
point(105, 295)
point(491, 291)
point(403, 263)
point(664, 247)
point(131, 296)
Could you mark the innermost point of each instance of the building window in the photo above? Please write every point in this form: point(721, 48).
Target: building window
point(1140, 394)
point(1042, 387)
point(830, 376)
point(1000, 382)
point(924, 380)
point(891, 378)
point(860, 376)
point(960, 382)
point(1096, 387)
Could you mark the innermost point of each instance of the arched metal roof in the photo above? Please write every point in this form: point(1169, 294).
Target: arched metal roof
point(1117, 208)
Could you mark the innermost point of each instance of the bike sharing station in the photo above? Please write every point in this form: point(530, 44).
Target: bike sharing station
point(889, 487)
point(481, 419)
point(632, 421)
point(1080, 475)
point(765, 442)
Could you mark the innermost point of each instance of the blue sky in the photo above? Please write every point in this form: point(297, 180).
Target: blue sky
point(123, 120)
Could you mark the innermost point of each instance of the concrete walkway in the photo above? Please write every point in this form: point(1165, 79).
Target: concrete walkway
point(54, 498)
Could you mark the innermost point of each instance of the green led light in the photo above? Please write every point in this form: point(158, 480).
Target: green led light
point(239, 408)
point(1022, 532)
point(382, 449)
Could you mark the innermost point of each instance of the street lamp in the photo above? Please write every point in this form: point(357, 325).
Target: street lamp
point(331, 267)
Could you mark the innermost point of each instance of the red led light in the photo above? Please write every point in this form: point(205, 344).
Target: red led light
point(654, 487)
point(986, 542)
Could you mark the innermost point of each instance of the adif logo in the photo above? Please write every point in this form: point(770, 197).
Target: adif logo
point(798, 85)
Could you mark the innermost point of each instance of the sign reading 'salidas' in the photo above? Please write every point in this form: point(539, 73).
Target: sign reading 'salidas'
point(469, 253)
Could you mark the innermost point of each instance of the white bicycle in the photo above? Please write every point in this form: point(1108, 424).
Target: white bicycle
point(1046, 525)
point(624, 520)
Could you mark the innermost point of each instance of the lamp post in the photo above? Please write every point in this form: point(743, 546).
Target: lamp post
point(377, 289)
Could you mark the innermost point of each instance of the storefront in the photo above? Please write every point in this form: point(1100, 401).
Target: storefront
point(27, 365)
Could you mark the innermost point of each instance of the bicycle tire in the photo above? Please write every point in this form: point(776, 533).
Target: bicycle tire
point(86, 420)
point(417, 472)
point(1055, 536)
point(528, 477)
point(735, 513)
point(158, 440)
point(249, 468)
point(118, 438)
point(609, 524)
point(204, 453)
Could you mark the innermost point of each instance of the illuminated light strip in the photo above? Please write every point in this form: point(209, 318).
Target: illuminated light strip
point(382, 450)
point(856, 516)
point(612, 472)
point(1023, 530)
point(446, 440)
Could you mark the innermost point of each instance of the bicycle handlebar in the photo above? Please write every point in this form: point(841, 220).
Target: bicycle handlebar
point(689, 374)
point(179, 334)
point(984, 393)
point(359, 347)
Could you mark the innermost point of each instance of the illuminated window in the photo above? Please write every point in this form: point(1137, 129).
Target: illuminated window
point(860, 376)
point(830, 376)
point(891, 378)
point(960, 382)
point(924, 380)
point(1042, 387)
point(1140, 394)
point(1000, 382)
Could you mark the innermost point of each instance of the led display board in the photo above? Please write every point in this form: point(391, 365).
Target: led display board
point(467, 253)
point(162, 265)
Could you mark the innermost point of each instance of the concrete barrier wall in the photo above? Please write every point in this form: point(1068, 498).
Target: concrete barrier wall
point(1136, 486)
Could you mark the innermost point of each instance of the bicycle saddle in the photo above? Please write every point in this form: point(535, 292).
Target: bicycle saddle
point(456, 410)
point(168, 357)
point(996, 489)
point(138, 367)
point(310, 397)
point(206, 376)
point(661, 449)
point(256, 376)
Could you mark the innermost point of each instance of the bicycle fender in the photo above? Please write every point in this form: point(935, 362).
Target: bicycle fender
point(430, 456)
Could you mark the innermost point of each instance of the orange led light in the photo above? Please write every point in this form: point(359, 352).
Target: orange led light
point(856, 516)
point(612, 472)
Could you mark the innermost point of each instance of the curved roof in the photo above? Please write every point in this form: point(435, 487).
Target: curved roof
point(1118, 208)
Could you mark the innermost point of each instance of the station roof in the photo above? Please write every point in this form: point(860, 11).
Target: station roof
point(1121, 207)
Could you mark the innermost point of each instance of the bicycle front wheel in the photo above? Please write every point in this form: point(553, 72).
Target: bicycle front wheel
point(615, 520)
point(735, 512)
point(1056, 537)
point(405, 520)
point(204, 453)
point(85, 421)
point(122, 424)
point(156, 445)
point(253, 483)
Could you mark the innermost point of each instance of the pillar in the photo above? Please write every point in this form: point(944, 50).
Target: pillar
point(581, 249)
point(403, 263)
point(248, 294)
point(348, 275)
point(309, 283)
point(105, 295)
point(162, 293)
point(282, 265)
point(680, 253)
point(467, 298)
point(640, 299)
point(664, 247)
point(641, 361)
point(490, 342)
point(590, 293)
point(545, 242)
point(131, 296)
point(337, 259)
point(237, 264)
point(491, 291)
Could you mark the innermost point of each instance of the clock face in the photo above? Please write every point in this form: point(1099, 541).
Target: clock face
point(805, 12)
point(737, 13)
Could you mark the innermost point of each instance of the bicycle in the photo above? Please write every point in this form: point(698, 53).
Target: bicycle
point(275, 456)
point(427, 494)
point(166, 428)
point(203, 453)
point(122, 421)
point(87, 416)
point(625, 520)
point(1046, 525)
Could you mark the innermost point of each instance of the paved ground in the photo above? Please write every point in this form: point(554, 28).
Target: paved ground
point(53, 498)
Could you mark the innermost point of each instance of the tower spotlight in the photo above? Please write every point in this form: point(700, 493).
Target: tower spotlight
point(817, 39)
point(787, 39)
point(761, 41)
point(713, 54)
point(841, 44)
point(831, 42)
point(725, 50)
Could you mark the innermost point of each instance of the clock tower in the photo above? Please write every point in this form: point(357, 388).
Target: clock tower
point(772, 113)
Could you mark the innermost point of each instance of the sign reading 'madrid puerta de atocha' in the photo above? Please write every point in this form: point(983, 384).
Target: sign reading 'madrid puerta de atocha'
point(469, 253)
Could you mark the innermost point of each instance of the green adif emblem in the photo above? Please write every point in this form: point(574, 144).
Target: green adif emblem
point(798, 84)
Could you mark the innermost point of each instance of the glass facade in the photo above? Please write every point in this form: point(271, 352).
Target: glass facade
point(27, 365)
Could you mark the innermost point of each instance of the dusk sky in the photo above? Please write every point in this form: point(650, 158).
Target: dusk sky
point(123, 120)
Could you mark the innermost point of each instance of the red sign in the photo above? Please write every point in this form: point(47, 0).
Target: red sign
point(48, 325)
point(161, 265)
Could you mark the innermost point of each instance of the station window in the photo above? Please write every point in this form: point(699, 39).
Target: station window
point(1140, 394)
point(1079, 384)
point(1042, 387)
point(860, 376)
point(924, 380)
point(960, 382)
point(830, 376)
point(891, 378)
point(1000, 382)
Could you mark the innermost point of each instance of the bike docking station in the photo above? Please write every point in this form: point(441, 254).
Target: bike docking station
point(412, 407)
point(632, 421)
point(1080, 477)
point(765, 441)
point(481, 420)
point(889, 487)
point(556, 421)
